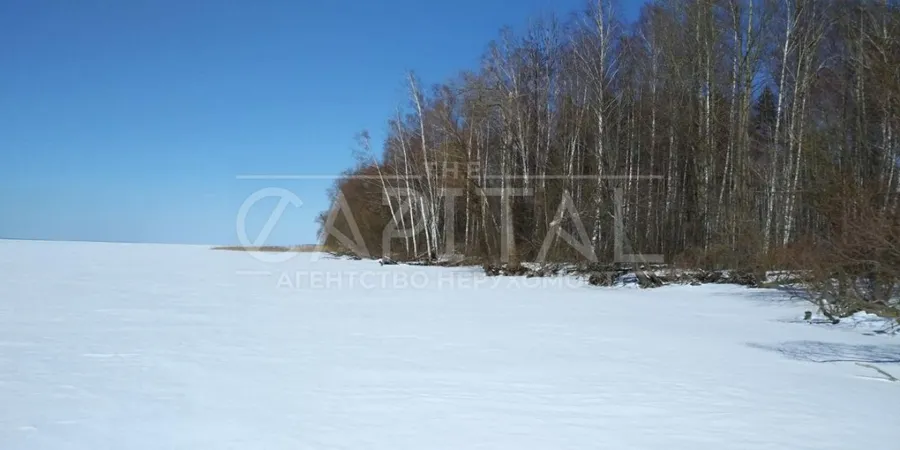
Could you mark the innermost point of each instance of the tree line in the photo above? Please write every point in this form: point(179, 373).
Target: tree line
point(735, 132)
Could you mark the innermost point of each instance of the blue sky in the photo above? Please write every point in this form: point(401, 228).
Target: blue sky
point(130, 120)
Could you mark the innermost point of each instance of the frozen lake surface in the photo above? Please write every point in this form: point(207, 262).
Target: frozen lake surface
point(127, 346)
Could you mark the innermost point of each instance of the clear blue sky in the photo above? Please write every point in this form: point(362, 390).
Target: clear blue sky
point(130, 120)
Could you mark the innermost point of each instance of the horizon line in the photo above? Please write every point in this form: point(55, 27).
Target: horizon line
point(486, 177)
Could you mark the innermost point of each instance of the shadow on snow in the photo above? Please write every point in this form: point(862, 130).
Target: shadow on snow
point(827, 352)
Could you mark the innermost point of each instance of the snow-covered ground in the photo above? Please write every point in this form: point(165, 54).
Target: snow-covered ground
point(114, 346)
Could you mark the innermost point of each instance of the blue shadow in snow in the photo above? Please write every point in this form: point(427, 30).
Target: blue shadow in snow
point(827, 352)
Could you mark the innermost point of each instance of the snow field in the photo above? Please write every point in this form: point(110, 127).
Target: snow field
point(180, 347)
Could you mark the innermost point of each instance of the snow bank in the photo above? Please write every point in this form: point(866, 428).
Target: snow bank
point(863, 322)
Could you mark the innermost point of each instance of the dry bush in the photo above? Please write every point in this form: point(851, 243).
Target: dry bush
point(741, 253)
point(854, 265)
point(711, 258)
